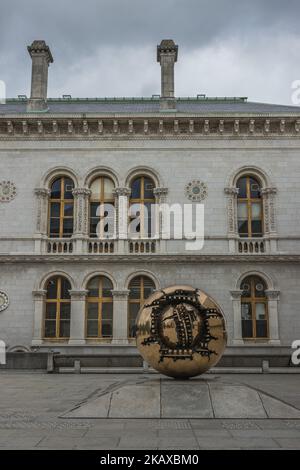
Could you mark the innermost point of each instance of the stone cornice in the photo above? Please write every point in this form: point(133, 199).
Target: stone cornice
point(142, 258)
point(31, 127)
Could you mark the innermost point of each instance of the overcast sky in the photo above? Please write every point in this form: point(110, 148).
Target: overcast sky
point(108, 47)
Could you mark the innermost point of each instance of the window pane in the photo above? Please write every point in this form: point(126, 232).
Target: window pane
point(242, 187)
point(64, 331)
point(148, 188)
point(65, 311)
point(261, 329)
point(106, 287)
point(68, 210)
point(243, 227)
point(256, 226)
point(107, 329)
point(149, 287)
point(50, 329)
point(246, 288)
point(68, 227)
point(93, 287)
point(94, 209)
point(133, 311)
point(259, 287)
point(108, 188)
point(52, 288)
point(65, 287)
point(242, 211)
point(55, 209)
point(50, 311)
point(136, 189)
point(246, 311)
point(260, 311)
point(107, 311)
point(92, 311)
point(93, 227)
point(247, 329)
point(134, 287)
point(68, 187)
point(55, 189)
point(92, 328)
point(54, 227)
point(254, 188)
point(256, 210)
point(96, 188)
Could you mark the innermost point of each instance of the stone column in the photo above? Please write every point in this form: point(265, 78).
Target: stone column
point(273, 299)
point(81, 220)
point(167, 53)
point(41, 234)
point(232, 194)
point(41, 58)
point(268, 195)
point(120, 317)
point(237, 318)
point(122, 216)
point(161, 199)
point(77, 331)
point(38, 316)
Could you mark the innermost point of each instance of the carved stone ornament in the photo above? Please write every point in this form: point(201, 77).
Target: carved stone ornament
point(8, 191)
point(4, 301)
point(196, 191)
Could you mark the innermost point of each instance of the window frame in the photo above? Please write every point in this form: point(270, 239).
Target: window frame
point(102, 200)
point(141, 201)
point(57, 301)
point(62, 201)
point(99, 300)
point(141, 298)
point(249, 201)
point(253, 300)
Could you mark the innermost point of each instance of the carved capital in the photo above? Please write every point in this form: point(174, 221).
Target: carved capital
point(231, 191)
point(122, 191)
point(159, 192)
point(42, 192)
point(78, 295)
point(272, 294)
point(236, 294)
point(81, 192)
point(39, 294)
point(120, 294)
point(269, 191)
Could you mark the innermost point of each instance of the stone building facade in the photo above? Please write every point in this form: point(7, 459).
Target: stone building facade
point(64, 289)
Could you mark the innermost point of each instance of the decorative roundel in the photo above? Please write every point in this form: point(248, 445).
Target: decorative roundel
point(196, 191)
point(4, 301)
point(8, 191)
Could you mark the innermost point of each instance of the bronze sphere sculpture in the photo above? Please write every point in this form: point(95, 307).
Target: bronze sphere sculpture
point(181, 331)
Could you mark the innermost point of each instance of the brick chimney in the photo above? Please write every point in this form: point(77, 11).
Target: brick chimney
point(167, 56)
point(41, 58)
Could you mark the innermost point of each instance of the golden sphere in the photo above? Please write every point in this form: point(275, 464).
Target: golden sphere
point(181, 331)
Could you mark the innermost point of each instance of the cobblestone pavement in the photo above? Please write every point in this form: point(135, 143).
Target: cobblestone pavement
point(32, 406)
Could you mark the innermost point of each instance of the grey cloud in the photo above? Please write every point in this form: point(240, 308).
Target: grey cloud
point(78, 31)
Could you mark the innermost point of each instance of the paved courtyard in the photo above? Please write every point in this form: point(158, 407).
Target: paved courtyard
point(36, 413)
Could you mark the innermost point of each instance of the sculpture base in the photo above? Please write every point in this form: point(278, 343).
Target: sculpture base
point(195, 398)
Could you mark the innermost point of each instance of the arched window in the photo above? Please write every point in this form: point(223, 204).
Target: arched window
point(250, 208)
point(254, 308)
point(102, 201)
point(141, 202)
point(99, 308)
point(61, 207)
point(140, 288)
point(58, 308)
